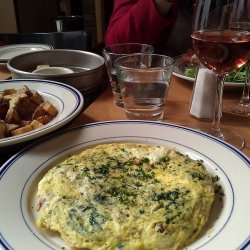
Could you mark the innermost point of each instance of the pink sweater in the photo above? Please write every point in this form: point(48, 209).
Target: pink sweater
point(138, 21)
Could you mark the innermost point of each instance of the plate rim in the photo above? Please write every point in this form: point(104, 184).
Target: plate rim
point(79, 103)
point(244, 245)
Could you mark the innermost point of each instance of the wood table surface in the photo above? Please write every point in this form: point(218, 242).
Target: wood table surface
point(176, 112)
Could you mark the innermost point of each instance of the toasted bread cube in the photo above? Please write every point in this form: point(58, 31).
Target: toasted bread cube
point(12, 116)
point(4, 106)
point(22, 130)
point(36, 124)
point(9, 92)
point(25, 90)
point(10, 97)
point(23, 106)
point(39, 111)
point(2, 129)
point(44, 119)
point(24, 123)
point(9, 127)
point(50, 109)
point(15, 100)
point(36, 98)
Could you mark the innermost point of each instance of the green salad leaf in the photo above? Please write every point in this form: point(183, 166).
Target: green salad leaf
point(190, 71)
point(238, 75)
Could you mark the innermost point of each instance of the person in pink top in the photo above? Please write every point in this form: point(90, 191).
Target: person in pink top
point(165, 24)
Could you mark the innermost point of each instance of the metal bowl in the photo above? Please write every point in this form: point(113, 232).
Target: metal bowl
point(88, 68)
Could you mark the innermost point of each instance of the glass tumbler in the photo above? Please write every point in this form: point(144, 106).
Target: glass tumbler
point(113, 52)
point(144, 82)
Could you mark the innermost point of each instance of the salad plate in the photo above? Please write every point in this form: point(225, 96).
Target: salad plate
point(181, 65)
point(65, 98)
point(9, 51)
point(229, 212)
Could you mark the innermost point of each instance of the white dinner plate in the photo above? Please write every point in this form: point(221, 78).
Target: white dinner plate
point(65, 98)
point(179, 68)
point(9, 51)
point(228, 226)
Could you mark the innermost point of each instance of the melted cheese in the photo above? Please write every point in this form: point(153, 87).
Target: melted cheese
point(126, 196)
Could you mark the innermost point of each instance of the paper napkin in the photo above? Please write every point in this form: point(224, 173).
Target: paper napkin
point(203, 99)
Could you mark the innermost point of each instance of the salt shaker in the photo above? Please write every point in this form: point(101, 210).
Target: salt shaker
point(202, 104)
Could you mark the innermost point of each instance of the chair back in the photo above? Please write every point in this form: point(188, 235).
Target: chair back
point(76, 40)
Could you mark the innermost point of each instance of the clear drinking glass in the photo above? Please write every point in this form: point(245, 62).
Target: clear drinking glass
point(144, 82)
point(220, 49)
point(111, 53)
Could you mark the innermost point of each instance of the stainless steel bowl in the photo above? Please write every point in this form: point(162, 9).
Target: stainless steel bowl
point(88, 68)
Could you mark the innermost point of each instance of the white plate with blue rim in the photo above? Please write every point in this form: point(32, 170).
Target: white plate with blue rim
point(228, 226)
point(68, 101)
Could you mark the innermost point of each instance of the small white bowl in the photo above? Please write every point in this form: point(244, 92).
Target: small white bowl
point(53, 70)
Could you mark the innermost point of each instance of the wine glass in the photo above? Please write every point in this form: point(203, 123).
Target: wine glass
point(220, 49)
point(242, 106)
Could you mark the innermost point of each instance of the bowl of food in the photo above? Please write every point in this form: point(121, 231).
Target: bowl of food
point(85, 70)
point(33, 108)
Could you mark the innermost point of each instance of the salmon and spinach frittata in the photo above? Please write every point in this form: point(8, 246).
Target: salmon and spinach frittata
point(126, 196)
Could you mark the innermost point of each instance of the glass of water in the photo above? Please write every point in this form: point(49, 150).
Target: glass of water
point(111, 53)
point(144, 82)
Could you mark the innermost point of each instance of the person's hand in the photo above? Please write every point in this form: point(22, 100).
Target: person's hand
point(163, 6)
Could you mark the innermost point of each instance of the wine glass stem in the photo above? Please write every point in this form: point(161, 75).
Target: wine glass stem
point(218, 104)
point(245, 98)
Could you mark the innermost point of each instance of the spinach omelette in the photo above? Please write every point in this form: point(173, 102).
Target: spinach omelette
point(126, 196)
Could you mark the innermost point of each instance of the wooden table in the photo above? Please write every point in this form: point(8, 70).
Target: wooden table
point(176, 112)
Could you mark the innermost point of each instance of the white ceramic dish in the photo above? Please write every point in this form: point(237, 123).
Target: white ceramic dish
point(179, 72)
point(228, 226)
point(53, 70)
point(9, 51)
point(66, 99)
